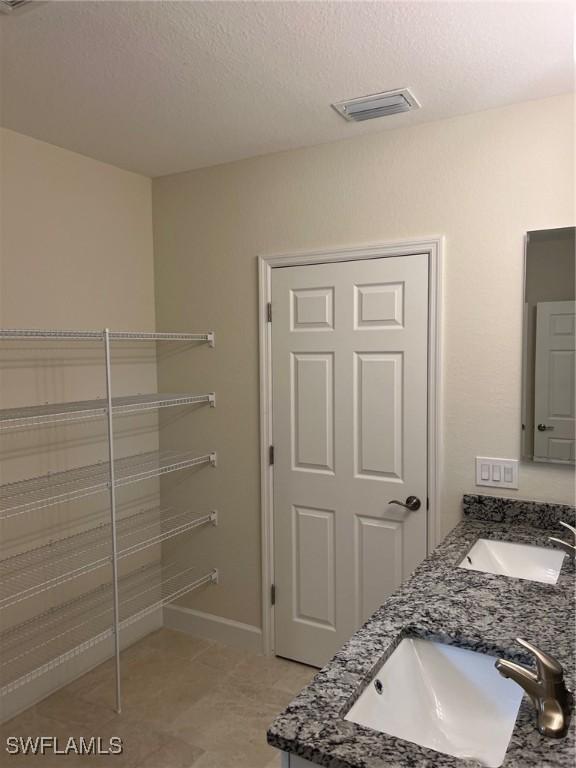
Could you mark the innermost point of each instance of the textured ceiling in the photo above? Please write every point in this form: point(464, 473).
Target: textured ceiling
point(160, 87)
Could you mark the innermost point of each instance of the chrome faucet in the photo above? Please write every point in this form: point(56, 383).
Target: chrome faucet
point(545, 687)
point(565, 545)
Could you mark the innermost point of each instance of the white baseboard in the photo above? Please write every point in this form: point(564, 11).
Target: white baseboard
point(216, 628)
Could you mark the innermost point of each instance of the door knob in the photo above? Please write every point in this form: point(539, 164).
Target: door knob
point(544, 428)
point(412, 503)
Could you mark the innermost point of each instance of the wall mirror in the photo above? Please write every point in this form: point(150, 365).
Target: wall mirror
point(548, 393)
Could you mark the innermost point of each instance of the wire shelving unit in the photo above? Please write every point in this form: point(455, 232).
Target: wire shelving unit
point(49, 639)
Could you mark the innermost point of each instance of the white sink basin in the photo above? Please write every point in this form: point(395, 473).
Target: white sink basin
point(445, 698)
point(521, 561)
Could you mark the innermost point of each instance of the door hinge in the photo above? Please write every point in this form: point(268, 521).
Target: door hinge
point(273, 594)
point(269, 312)
point(427, 503)
point(271, 455)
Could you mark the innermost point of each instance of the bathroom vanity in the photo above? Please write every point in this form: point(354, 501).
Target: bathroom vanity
point(438, 635)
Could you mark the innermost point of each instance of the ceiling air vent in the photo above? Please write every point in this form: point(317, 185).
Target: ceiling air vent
point(7, 6)
point(377, 105)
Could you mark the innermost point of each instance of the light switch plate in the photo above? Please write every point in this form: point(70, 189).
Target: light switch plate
point(500, 473)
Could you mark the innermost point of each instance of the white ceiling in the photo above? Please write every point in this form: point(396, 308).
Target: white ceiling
point(160, 87)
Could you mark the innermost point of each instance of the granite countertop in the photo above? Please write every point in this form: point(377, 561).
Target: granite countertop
point(441, 602)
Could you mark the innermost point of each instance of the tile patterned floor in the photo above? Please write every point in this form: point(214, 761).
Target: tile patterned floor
point(186, 702)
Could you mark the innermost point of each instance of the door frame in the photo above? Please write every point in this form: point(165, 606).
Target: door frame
point(433, 247)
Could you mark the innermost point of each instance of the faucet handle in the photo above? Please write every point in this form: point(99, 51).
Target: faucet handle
point(570, 527)
point(548, 667)
point(570, 549)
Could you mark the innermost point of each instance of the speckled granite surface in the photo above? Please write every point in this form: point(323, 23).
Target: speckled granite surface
point(535, 513)
point(441, 602)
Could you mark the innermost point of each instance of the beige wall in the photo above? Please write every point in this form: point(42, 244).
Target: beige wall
point(76, 239)
point(481, 180)
point(75, 252)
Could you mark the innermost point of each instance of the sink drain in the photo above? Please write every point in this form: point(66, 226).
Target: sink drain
point(378, 685)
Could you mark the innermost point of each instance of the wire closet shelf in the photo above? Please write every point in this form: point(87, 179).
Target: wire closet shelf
point(33, 647)
point(37, 333)
point(28, 574)
point(81, 410)
point(49, 639)
point(72, 484)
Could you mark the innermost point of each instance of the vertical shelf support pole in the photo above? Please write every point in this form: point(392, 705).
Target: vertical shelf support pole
point(114, 554)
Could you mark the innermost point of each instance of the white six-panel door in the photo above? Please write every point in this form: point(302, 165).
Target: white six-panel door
point(554, 391)
point(349, 413)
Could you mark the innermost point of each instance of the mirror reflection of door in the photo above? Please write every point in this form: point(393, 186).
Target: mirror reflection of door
point(554, 382)
point(548, 408)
